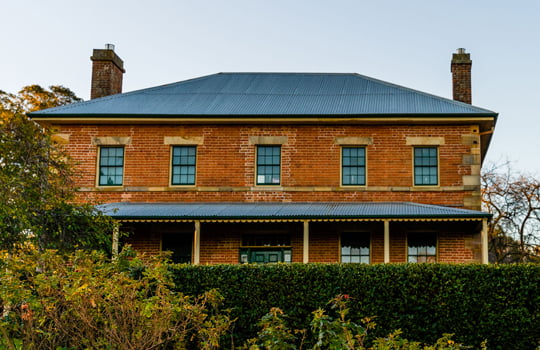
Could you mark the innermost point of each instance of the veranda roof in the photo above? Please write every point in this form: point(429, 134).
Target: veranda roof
point(277, 211)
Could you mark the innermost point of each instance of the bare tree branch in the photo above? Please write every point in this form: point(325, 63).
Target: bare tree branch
point(514, 201)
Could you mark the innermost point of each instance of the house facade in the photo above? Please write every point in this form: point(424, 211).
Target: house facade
point(283, 167)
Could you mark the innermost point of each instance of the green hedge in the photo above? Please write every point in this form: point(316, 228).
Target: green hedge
point(499, 303)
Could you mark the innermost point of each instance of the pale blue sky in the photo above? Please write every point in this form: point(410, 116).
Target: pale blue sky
point(406, 42)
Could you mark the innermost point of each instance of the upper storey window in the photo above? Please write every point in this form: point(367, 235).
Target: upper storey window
point(183, 165)
point(111, 166)
point(426, 166)
point(353, 166)
point(268, 165)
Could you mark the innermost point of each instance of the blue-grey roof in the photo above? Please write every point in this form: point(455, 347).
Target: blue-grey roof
point(270, 94)
point(277, 211)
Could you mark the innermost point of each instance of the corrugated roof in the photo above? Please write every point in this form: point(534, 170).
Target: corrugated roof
point(270, 94)
point(271, 210)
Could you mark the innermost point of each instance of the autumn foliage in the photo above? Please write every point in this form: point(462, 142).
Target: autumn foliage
point(84, 301)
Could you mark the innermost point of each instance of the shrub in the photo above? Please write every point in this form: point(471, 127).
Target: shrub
point(335, 331)
point(500, 303)
point(83, 301)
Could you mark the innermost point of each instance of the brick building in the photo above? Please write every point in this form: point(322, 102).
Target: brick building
point(291, 167)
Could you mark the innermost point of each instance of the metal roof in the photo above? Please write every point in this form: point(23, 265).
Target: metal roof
point(284, 211)
point(270, 94)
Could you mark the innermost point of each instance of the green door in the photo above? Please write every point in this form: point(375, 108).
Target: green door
point(266, 256)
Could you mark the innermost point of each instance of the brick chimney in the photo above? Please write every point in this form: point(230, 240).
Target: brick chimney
point(461, 76)
point(107, 71)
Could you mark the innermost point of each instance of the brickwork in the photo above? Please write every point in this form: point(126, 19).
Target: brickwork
point(143, 239)
point(452, 248)
point(310, 169)
point(398, 243)
point(324, 243)
point(107, 73)
point(461, 76)
point(221, 242)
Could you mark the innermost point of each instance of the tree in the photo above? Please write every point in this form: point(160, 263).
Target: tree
point(83, 300)
point(33, 98)
point(37, 202)
point(513, 199)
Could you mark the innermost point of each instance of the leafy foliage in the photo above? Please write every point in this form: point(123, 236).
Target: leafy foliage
point(33, 98)
point(338, 332)
point(84, 301)
point(499, 303)
point(36, 197)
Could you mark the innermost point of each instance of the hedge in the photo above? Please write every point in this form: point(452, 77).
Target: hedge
point(500, 303)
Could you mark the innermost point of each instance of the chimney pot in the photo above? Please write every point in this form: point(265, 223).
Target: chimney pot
point(461, 76)
point(107, 72)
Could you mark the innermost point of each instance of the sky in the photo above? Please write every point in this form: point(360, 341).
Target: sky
point(405, 42)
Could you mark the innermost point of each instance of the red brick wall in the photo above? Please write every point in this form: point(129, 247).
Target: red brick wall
point(324, 243)
point(219, 245)
point(107, 71)
point(452, 248)
point(461, 77)
point(310, 163)
point(310, 172)
point(143, 240)
point(221, 242)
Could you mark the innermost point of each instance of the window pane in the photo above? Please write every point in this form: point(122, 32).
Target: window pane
point(268, 165)
point(425, 166)
point(422, 247)
point(355, 247)
point(353, 166)
point(111, 166)
point(183, 164)
point(287, 256)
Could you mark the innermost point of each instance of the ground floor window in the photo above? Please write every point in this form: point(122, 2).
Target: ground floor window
point(355, 247)
point(422, 247)
point(180, 244)
point(267, 248)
